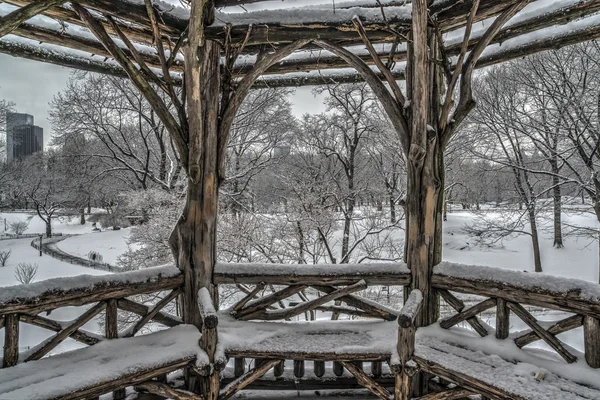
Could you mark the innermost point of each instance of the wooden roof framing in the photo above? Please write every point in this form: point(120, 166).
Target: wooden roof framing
point(59, 27)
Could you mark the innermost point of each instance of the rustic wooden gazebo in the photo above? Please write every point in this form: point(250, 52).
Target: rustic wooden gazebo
point(195, 65)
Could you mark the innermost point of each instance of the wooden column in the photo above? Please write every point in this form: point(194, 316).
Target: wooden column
point(591, 333)
point(193, 241)
point(424, 158)
point(11, 340)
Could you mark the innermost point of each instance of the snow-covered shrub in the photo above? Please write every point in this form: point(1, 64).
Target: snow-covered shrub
point(4, 255)
point(26, 272)
point(19, 227)
point(149, 242)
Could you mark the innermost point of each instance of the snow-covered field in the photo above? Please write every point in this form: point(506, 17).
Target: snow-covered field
point(62, 224)
point(578, 259)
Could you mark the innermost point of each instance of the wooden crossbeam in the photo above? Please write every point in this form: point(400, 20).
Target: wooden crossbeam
point(547, 337)
point(152, 313)
point(66, 332)
point(449, 394)
point(249, 296)
point(268, 300)
point(459, 305)
point(166, 391)
point(557, 328)
point(367, 382)
point(360, 303)
point(469, 314)
point(306, 306)
point(11, 21)
point(79, 335)
point(246, 379)
point(142, 310)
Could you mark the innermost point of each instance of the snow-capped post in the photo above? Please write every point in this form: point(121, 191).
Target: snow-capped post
point(406, 343)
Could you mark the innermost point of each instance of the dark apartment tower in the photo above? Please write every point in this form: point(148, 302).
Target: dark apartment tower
point(22, 137)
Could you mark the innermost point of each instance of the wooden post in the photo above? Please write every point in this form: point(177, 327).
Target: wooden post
point(591, 333)
point(279, 368)
point(111, 330)
point(376, 368)
point(298, 368)
point(11, 340)
point(319, 368)
point(239, 367)
point(338, 368)
point(502, 319)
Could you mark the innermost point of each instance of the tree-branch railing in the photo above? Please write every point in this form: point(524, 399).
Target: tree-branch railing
point(107, 294)
point(497, 292)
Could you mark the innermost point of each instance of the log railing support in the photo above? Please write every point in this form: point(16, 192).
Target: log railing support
point(502, 319)
point(11, 340)
point(591, 333)
point(111, 330)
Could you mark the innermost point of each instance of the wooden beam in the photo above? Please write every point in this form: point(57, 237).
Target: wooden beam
point(142, 309)
point(166, 391)
point(449, 394)
point(363, 304)
point(152, 313)
point(468, 313)
point(366, 381)
point(268, 300)
point(246, 379)
point(306, 306)
point(249, 296)
point(81, 296)
point(572, 322)
point(11, 21)
point(65, 333)
point(79, 335)
point(550, 339)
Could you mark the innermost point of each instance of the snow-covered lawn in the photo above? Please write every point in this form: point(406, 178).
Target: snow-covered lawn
point(110, 244)
point(66, 224)
point(578, 259)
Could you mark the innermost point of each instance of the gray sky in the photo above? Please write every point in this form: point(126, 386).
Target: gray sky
point(31, 85)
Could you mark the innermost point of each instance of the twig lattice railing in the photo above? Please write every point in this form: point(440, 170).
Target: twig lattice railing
point(26, 304)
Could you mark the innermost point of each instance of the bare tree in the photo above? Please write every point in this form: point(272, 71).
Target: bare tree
point(123, 133)
point(26, 272)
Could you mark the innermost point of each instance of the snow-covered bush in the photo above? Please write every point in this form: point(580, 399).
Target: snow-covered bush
point(26, 272)
point(4, 255)
point(19, 227)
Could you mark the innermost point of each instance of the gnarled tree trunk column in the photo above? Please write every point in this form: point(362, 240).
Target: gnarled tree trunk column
point(193, 241)
point(425, 163)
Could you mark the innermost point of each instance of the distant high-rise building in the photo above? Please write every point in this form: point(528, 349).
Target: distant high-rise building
point(23, 138)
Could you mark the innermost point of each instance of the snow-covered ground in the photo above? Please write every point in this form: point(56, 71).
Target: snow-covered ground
point(110, 244)
point(578, 259)
point(61, 224)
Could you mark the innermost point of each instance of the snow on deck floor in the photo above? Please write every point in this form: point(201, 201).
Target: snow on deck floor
point(331, 337)
point(500, 363)
point(68, 372)
point(496, 362)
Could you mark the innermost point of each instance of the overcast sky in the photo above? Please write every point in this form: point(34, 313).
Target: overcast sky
point(31, 85)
